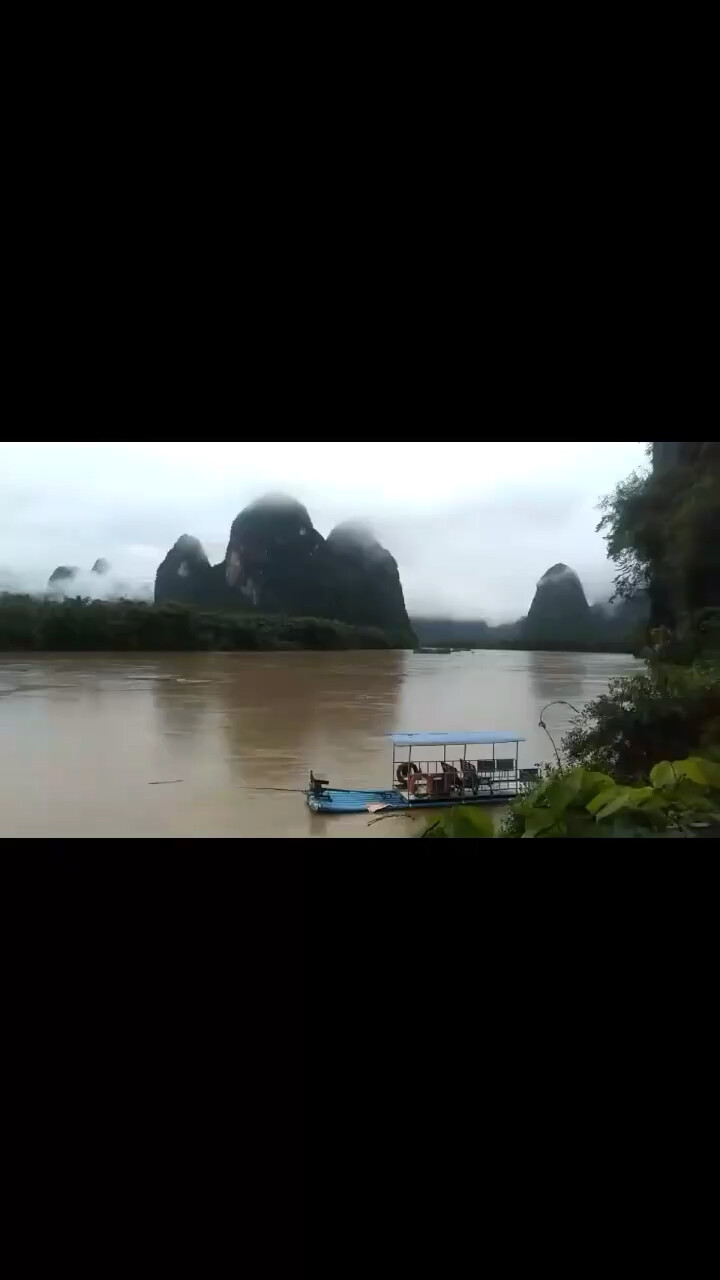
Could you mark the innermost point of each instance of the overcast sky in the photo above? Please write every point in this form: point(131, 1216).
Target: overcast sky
point(472, 526)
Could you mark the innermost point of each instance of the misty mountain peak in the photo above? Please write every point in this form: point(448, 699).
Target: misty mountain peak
point(63, 573)
point(190, 548)
point(277, 561)
point(353, 533)
point(356, 538)
point(557, 572)
point(273, 517)
point(560, 607)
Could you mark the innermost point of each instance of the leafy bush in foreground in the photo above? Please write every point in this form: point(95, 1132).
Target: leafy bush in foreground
point(670, 711)
point(681, 799)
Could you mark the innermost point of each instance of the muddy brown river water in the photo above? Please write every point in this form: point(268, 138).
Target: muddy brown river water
point(84, 737)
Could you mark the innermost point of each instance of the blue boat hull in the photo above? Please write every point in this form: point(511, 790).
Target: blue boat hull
point(337, 801)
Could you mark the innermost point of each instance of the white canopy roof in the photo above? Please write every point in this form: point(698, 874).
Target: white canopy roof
point(485, 739)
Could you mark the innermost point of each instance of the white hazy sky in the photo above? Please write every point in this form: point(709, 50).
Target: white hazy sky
point(472, 526)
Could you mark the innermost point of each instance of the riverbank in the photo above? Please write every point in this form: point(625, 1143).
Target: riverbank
point(37, 625)
point(30, 624)
point(554, 646)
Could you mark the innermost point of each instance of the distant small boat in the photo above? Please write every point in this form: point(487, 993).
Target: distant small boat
point(434, 783)
point(432, 650)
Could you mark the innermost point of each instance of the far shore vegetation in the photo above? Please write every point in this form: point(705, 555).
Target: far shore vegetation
point(628, 646)
point(38, 624)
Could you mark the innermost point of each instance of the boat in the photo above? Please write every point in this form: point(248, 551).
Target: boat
point(432, 780)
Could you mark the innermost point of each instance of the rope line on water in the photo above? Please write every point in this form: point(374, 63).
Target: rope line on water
point(294, 791)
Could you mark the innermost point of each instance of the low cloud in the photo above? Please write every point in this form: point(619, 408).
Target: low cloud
point(93, 586)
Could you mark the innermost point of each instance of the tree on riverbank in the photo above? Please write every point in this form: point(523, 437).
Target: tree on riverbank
point(30, 624)
point(667, 711)
point(663, 533)
point(662, 529)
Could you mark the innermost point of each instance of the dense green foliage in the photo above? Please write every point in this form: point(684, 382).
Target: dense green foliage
point(663, 532)
point(460, 824)
point(630, 533)
point(679, 799)
point(670, 710)
point(27, 623)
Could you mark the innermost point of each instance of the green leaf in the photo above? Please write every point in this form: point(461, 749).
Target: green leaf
point(604, 797)
point(593, 783)
point(639, 796)
point(659, 802)
point(689, 795)
point(536, 821)
point(469, 824)
point(561, 793)
point(614, 805)
point(627, 798)
point(474, 822)
point(704, 772)
point(663, 775)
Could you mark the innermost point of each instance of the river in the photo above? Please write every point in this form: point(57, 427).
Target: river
point(182, 744)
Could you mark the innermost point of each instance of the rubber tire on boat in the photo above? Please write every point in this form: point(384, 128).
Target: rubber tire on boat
point(404, 769)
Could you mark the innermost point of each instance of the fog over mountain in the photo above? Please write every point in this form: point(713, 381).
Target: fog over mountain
point(98, 583)
point(278, 563)
point(472, 526)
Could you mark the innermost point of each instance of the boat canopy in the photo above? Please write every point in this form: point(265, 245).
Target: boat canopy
point(484, 739)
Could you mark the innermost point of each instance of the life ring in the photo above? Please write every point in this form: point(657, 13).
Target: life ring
point(404, 769)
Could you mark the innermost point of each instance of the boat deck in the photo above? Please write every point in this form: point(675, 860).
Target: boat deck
point(335, 800)
point(433, 783)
